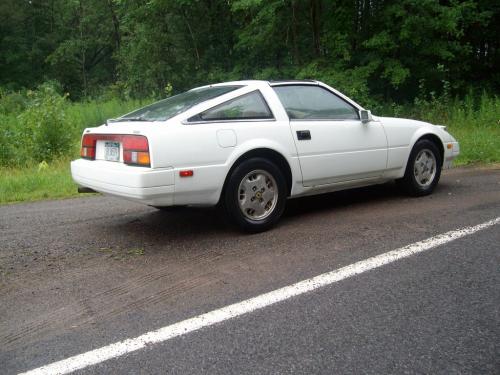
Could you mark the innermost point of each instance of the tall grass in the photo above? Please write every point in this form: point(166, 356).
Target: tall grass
point(30, 167)
point(46, 115)
point(36, 182)
point(94, 113)
point(473, 121)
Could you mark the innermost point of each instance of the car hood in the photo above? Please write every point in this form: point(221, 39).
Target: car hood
point(403, 124)
point(396, 121)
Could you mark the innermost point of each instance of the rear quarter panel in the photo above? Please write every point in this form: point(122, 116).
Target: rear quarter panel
point(197, 147)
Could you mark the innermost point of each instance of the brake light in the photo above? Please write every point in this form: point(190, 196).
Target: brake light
point(135, 147)
point(136, 150)
point(88, 147)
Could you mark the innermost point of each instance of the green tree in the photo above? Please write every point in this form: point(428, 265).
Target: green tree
point(383, 49)
point(83, 58)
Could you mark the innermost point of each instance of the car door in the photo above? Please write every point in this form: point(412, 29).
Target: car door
point(333, 145)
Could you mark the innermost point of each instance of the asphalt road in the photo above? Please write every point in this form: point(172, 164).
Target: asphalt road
point(79, 274)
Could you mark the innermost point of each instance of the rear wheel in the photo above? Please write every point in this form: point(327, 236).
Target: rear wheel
point(255, 195)
point(423, 170)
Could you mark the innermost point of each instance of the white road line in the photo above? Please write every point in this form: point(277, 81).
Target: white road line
point(205, 320)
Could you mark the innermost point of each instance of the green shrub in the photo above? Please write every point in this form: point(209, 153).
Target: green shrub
point(44, 131)
point(6, 138)
point(43, 125)
point(12, 102)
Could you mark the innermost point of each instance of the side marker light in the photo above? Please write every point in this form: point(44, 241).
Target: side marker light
point(187, 173)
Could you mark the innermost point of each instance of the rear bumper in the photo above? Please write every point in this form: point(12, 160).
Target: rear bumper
point(150, 186)
point(450, 154)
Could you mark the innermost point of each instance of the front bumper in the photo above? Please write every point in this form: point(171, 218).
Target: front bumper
point(154, 187)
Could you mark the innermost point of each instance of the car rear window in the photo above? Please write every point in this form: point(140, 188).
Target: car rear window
point(170, 107)
point(251, 106)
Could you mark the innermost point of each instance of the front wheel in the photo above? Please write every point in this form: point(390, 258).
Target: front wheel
point(255, 195)
point(423, 169)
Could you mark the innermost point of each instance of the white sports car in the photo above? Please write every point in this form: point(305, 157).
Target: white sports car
point(250, 145)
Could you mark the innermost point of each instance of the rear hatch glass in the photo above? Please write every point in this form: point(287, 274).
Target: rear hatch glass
point(170, 107)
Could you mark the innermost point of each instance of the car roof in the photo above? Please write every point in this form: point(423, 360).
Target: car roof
point(293, 81)
point(263, 82)
point(260, 84)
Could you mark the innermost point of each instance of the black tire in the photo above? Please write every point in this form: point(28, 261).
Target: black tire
point(412, 182)
point(238, 193)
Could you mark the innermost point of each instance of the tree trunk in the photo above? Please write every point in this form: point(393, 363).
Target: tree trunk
point(83, 50)
point(295, 48)
point(313, 5)
point(116, 25)
point(195, 46)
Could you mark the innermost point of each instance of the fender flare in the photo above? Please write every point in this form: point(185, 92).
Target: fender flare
point(293, 175)
point(425, 133)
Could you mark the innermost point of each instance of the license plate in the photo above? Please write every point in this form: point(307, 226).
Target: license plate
point(112, 151)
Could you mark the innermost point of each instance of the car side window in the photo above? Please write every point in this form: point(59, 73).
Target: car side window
point(251, 106)
point(307, 102)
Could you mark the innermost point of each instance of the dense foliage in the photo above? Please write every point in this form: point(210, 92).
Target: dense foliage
point(382, 49)
point(70, 64)
point(42, 125)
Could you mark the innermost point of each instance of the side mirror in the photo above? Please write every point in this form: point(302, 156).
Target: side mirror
point(365, 116)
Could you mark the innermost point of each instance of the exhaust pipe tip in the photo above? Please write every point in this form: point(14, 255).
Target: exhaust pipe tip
point(82, 189)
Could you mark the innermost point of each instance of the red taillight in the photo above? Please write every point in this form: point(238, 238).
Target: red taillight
point(87, 152)
point(136, 158)
point(135, 142)
point(136, 150)
point(135, 147)
point(88, 146)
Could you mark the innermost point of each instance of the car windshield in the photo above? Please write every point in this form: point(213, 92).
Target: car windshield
point(170, 107)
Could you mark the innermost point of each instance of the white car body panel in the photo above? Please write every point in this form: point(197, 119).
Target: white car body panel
point(402, 134)
point(341, 154)
point(150, 186)
point(341, 151)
